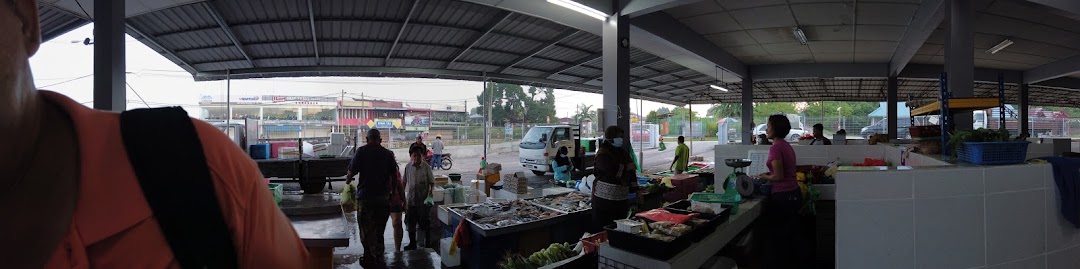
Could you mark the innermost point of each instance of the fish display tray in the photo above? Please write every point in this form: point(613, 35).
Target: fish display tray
point(460, 211)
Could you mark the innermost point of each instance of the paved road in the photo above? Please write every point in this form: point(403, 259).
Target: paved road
point(654, 159)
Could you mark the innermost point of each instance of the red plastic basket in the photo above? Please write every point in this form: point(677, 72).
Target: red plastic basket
point(592, 242)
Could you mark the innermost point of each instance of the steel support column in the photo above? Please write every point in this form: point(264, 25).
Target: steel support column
point(960, 56)
point(1025, 127)
point(747, 108)
point(894, 101)
point(109, 76)
point(616, 85)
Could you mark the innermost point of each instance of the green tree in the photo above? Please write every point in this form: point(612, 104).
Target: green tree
point(763, 110)
point(583, 112)
point(510, 102)
point(725, 110)
point(652, 116)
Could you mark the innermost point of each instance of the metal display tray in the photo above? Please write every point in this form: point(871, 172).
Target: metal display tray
point(544, 206)
point(456, 210)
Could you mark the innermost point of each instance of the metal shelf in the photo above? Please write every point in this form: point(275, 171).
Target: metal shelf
point(957, 105)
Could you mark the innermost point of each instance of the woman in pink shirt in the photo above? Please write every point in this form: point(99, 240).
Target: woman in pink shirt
point(781, 214)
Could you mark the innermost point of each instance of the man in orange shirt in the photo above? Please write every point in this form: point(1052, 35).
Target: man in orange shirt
point(67, 180)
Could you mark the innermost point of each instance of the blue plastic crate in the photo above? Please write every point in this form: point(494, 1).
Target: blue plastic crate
point(259, 151)
point(987, 153)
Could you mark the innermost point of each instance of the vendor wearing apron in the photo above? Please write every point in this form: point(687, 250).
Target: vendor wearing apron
point(780, 217)
point(614, 178)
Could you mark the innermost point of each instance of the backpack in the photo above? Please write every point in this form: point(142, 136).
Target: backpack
point(169, 162)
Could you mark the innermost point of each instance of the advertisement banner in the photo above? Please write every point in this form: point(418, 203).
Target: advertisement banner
point(384, 123)
point(417, 118)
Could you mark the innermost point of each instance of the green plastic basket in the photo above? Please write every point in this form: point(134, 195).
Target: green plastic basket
point(728, 198)
point(276, 189)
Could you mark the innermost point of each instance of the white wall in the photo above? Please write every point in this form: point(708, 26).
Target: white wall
point(958, 217)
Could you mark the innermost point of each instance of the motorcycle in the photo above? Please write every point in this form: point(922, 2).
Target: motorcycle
point(446, 163)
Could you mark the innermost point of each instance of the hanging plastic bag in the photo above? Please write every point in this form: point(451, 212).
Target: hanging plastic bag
point(348, 198)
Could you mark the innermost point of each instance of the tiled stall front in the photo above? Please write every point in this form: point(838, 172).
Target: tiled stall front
point(953, 217)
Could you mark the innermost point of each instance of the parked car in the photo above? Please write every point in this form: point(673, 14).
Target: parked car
point(792, 136)
point(881, 127)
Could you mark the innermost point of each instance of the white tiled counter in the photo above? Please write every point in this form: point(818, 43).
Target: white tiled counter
point(953, 217)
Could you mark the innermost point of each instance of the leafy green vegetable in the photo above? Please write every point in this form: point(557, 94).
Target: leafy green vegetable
point(980, 135)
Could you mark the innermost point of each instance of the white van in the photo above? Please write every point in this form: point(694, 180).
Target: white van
point(540, 145)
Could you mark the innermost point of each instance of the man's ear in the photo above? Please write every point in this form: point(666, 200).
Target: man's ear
point(27, 11)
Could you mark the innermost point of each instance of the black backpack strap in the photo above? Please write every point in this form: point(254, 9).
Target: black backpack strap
point(168, 159)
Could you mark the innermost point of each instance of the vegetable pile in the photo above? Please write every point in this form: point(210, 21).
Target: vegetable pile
point(348, 198)
point(980, 135)
point(554, 253)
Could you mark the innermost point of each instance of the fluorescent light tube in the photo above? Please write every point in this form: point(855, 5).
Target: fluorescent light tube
point(575, 6)
point(714, 86)
point(800, 36)
point(1000, 46)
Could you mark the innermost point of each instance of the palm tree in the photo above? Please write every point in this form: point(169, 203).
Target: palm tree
point(583, 112)
point(724, 110)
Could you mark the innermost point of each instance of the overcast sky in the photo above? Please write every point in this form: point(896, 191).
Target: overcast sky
point(59, 63)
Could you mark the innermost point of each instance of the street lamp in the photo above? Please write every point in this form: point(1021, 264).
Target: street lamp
point(839, 124)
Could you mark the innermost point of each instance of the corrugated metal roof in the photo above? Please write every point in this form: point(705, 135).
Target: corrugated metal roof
point(272, 32)
point(435, 35)
point(239, 12)
point(202, 38)
point(356, 30)
point(55, 21)
point(181, 18)
point(365, 9)
point(508, 43)
point(532, 27)
point(347, 48)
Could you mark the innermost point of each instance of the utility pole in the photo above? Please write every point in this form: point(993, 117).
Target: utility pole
point(466, 103)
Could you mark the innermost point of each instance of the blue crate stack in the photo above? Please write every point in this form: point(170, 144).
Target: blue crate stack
point(259, 151)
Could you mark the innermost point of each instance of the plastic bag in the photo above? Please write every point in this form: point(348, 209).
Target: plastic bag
point(348, 198)
point(660, 214)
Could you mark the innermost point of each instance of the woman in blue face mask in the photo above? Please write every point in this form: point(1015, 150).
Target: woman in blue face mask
point(562, 166)
point(615, 178)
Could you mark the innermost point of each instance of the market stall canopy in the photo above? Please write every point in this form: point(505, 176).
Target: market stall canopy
point(902, 111)
point(678, 49)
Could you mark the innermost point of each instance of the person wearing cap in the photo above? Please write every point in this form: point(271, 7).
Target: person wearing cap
point(437, 152)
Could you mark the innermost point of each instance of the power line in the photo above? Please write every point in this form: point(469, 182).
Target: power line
point(137, 94)
point(66, 81)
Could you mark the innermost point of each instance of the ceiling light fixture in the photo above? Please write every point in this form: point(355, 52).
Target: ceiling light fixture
point(583, 9)
point(1000, 46)
point(717, 85)
point(800, 36)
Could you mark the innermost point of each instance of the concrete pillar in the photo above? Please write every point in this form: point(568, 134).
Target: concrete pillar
point(109, 68)
point(616, 46)
point(1025, 124)
point(299, 113)
point(747, 108)
point(261, 113)
point(893, 102)
point(960, 61)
